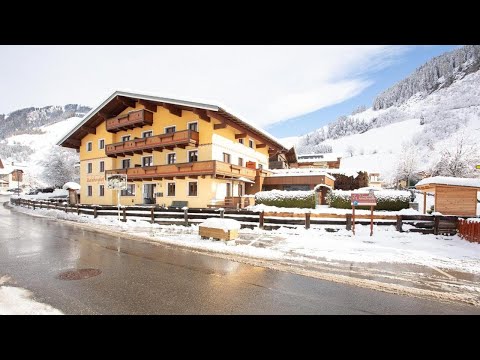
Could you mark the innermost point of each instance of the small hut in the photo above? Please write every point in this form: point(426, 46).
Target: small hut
point(73, 192)
point(453, 196)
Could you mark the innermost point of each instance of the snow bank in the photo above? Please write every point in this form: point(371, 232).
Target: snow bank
point(223, 224)
point(446, 180)
point(408, 211)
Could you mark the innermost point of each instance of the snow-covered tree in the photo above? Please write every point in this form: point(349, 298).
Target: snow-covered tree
point(407, 163)
point(350, 150)
point(60, 166)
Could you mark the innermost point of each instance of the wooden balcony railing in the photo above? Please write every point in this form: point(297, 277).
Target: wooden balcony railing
point(197, 168)
point(153, 143)
point(276, 165)
point(133, 119)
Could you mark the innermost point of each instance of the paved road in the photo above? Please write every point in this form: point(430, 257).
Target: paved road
point(140, 278)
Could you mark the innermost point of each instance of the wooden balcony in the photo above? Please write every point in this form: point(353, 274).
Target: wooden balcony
point(153, 143)
point(133, 119)
point(277, 165)
point(182, 170)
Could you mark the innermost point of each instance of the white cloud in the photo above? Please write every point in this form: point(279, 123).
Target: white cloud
point(263, 84)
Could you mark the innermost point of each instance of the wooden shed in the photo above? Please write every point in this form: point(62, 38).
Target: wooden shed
point(453, 196)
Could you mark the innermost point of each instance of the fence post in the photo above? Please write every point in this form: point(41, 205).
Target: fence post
point(95, 212)
point(185, 216)
point(261, 219)
point(399, 223)
point(124, 219)
point(307, 220)
point(349, 221)
point(222, 211)
point(78, 209)
point(66, 208)
point(436, 222)
point(152, 215)
point(33, 205)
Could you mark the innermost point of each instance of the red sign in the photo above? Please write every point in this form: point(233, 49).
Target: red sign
point(365, 199)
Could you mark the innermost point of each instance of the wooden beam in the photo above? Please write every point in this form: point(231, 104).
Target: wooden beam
point(104, 115)
point(260, 146)
point(74, 142)
point(202, 114)
point(180, 177)
point(148, 105)
point(174, 110)
point(220, 126)
point(90, 130)
point(240, 136)
point(128, 102)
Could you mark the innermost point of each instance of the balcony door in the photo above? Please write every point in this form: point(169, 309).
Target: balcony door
point(149, 193)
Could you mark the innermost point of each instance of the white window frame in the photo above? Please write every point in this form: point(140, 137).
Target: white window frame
point(99, 148)
point(129, 163)
point(188, 155)
point(146, 131)
point(192, 122)
point(149, 156)
point(99, 192)
point(168, 127)
point(91, 146)
point(166, 158)
point(243, 161)
point(89, 187)
point(253, 143)
point(129, 135)
point(172, 182)
point(188, 188)
point(229, 157)
point(89, 167)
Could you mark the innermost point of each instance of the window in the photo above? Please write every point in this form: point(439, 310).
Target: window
point(130, 191)
point(146, 134)
point(240, 141)
point(193, 156)
point(126, 138)
point(170, 129)
point(89, 146)
point(89, 190)
point(171, 158)
point(125, 164)
point(171, 189)
point(226, 158)
point(101, 190)
point(192, 188)
point(250, 143)
point(101, 144)
point(102, 166)
point(240, 190)
point(193, 126)
point(240, 161)
point(89, 168)
point(229, 190)
point(147, 161)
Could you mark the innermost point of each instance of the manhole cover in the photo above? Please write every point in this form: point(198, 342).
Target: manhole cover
point(79, 274)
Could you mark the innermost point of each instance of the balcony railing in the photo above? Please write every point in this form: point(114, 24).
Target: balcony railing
point(133, 119)
point(153, 143)
point(197, 168)
point(277, 165)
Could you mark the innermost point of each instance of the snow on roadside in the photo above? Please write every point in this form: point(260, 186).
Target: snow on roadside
point(17, 301)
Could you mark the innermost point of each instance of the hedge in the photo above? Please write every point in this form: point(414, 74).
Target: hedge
point(391, 200)
point(287, 199)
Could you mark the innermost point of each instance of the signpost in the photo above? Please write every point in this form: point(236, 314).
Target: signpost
point(363, 199)
point(117, 182)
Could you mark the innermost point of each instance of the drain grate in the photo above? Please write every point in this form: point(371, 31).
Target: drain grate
point(79, 274)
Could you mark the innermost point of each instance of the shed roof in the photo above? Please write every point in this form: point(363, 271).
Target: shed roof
point(449, 181)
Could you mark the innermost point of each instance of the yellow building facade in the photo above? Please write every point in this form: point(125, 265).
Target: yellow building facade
point(171, 151)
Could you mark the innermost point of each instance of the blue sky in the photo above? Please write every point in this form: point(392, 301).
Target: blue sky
point(382, 79)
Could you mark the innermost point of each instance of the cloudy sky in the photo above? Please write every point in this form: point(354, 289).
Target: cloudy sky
point(287, 90)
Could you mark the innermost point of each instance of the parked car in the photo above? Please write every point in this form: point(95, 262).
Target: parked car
point(15, 191)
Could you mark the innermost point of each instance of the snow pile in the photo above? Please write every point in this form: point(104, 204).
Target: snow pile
point(222, 224)
point(409, 211)
point(71, 186)
point(289, 199)
point(447, 180)
point(473, 219)
point(57, 193)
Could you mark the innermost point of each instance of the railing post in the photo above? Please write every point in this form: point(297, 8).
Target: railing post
point(222, 211)
point(66, 208)
point(261, 219)
point(95, 212)
point(78, 209)
point(152, 215)
point(436, 222)
point(399, 223)
point(349, 221)
point(307, 220)
point(124, 218)
point(33, 205)
point(185, 216)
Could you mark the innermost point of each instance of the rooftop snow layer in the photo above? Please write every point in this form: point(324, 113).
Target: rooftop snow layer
point(446, 180)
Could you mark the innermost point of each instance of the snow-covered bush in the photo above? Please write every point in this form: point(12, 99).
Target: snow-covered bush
point(288, 199)
point(392, 200)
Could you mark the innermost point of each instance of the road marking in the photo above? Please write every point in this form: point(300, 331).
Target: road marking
point(442, 272)
point(254, 241)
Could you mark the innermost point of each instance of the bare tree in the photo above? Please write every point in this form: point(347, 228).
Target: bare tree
point(407, 163)
point(350, 150)
point(59, 166)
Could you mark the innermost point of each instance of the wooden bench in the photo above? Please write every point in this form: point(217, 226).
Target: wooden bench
point(178, 204)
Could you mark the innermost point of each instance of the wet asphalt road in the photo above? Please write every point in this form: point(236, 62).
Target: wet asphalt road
point(140, 278)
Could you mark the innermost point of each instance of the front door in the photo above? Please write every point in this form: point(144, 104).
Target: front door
point(149, 193)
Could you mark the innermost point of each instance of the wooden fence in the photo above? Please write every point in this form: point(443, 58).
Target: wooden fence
point(248, 219)
point(469, 230)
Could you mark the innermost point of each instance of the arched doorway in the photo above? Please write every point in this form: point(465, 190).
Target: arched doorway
point(321, 191)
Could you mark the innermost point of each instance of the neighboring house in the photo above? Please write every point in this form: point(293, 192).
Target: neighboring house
point(323, 161)
point(374, 180)
point(170, 150)
point(11, 176)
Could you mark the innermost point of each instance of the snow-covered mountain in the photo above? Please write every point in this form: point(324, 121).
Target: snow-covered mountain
point(433, 116)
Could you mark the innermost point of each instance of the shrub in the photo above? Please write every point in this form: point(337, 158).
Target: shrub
point(391, 200)
point(288, 199)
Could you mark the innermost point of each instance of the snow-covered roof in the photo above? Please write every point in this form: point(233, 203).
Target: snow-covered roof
point(318, 157)
point(301, 172)
point(71, 186)
point(346, 172)
point(446, 180)
point(244, 179)
point(191, 104)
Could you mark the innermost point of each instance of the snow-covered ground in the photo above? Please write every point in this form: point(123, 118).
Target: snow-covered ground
point(18, 301)
point(301, 245)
